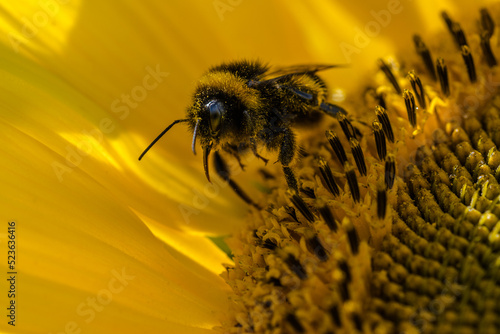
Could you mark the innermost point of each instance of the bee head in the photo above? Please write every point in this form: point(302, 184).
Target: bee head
point(220, 112)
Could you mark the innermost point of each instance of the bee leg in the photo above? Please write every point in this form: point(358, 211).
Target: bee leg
point(253, 146)
point(332, 109)
point(223, 172)
point(234, 152)
point(290, 178)
point(287, 151)
point(260, 156)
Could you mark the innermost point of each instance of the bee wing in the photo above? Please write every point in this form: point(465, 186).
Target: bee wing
point(299, 69)
point(291, 71)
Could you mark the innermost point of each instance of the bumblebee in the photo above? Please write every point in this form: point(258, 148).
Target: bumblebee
point(241, 105)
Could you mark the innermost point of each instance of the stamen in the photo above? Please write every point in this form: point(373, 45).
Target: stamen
point(295, 266)
point(309, 192)
point(487, 23)
point(448, 21)
point(357, 153)
point(292, 320)
point(302, 206)
point(459, 34)
point(410, 107)
point(352, 180)
point(291, 212)
point(383, 118)
point(381, 203)
point(442, 71)
point(327, 176)
point(390, 76)
point(424, 52)
point(486, 48)
point(336, 146)
point(352, 235)
point(317, 248)
point(381, 100)
point(455, 30)
point(390, 171)
point(417, 87)
point(269, 244)
point(379, 140)
point(344, 290)
point(328, 218)
point(356, 318)
point(335, 314)
point(346, 126)
point(342, 263)
point(469, 62)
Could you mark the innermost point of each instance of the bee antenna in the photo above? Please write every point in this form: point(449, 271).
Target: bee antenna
point(161, 135)
point(195, 132)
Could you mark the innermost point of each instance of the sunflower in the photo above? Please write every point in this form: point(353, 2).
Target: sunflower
point(102, 243)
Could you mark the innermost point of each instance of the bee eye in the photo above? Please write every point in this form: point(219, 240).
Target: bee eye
point(216, 109)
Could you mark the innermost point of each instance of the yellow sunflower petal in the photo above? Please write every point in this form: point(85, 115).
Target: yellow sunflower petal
point(94, 262)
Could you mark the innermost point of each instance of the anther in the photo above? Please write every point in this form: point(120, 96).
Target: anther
point(317, 248)
point(357, 153)
point(442, 71)
point(455, 30)
point(486, 48)
point(390, 171)
point(269, 244)
point(381, 100)
point(487, 24)
point(411, 109)
point(346, 126)
point(328, 218)
point(302, 206)
point(309, 192)
point(383, 118)
point(459, 34)
point(342, 264)
point(334, 312)
point(292, 320)
point(424, 52)
point(469, 62)
point(291, 212)
point(295, 266)
point(390, 76)
point(356, 318)
point(417, 87)
point(379, 140)
point(337, 147)
point(327, 175)
point(381, 203)
point(344, 290)
point(352, 180)
point(352, 235)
